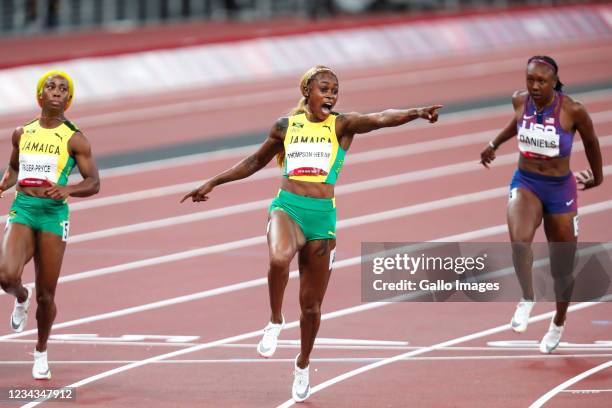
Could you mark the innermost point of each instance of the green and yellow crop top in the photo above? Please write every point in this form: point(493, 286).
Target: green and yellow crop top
point(43, 154)
point(312, 151)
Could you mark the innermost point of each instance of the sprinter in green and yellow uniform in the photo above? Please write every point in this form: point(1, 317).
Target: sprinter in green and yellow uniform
point(310, 145)
point(44, 152)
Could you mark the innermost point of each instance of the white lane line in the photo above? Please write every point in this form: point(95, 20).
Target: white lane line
point(371, 218)
point(519, 344)
point(348, 342)
point(414, 209)
point(295, 344)
point(451, 342)
point(228, 246)
point(585, 391)
point(239, 152)
point(243, 243)
point(324, 360)
point(363, 157)
point(357, 85)
point(257, 205)
point(593, 208)
point(294, 324)
point(244, 285)
point(274, 172)
point(450, 119)
point(402, 178)
point(550, 394)
point(597, 207)
point(181, 340)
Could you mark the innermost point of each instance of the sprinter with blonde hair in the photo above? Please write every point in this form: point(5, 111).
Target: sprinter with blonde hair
point(310, 145)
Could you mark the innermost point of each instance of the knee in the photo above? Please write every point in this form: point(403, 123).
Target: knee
point(7, 279)
point(6, 284)
point(521, 236)
point(311, 310)
point(521, 246)
point(521, 232)
point(45, 299)
point(280, 260)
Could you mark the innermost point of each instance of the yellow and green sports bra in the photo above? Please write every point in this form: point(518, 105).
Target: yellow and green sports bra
point(43, 154)
point(312, 151)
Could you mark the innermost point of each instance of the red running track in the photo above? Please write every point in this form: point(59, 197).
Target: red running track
point(113, 285)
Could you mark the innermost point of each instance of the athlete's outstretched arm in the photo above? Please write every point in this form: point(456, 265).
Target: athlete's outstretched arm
point(246, 167)
point(356, 123)
point(12, 171)
point(80, 149)
point(584, 125)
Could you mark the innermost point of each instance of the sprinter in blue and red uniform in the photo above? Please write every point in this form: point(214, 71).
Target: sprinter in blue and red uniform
point(543, 187)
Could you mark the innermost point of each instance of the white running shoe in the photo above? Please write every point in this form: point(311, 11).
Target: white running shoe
point(301, 383)
point(551, 339)
point(19, 317)
point(521, 315)
point(41, 370)
point(267, 344)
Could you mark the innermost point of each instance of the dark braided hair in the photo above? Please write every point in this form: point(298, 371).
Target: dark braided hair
point(546, 60)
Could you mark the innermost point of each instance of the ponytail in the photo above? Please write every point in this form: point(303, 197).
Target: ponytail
point(300, 108)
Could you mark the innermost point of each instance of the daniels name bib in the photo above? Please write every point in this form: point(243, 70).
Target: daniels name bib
point(538, 139)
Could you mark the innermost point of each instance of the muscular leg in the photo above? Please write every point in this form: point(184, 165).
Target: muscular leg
point(17, 250)
point(285, 238)
point(562, 240)
point(524, 217)
point(48, 262)
point(314, 277)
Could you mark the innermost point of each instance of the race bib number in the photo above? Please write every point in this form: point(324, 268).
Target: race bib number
point(332, 258)
point(65, 230)
point(512, 194)
point(576, 226)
